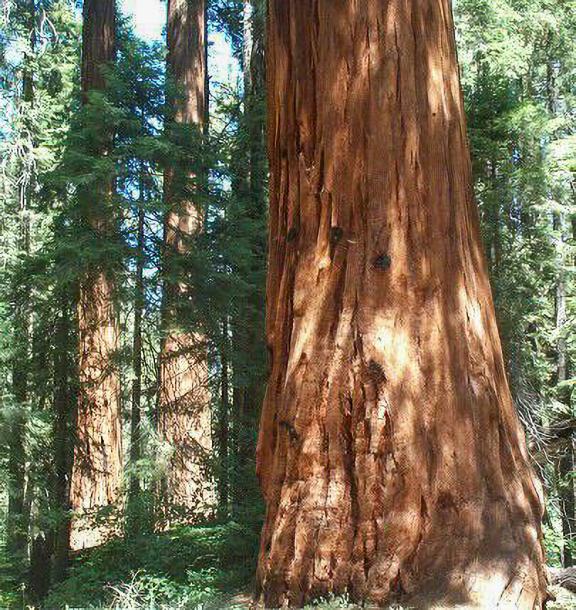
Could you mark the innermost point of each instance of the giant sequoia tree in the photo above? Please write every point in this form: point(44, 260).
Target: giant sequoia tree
point(391, 459)
point(184, 397)
point(97, 457)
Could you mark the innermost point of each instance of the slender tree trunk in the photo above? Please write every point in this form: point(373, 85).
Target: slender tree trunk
point(63, 447)
point(134, 500)
point(566, 461)
point(250, 185)
point(391, 458)
point(97, 468)
point(223, 425)
point(574, 227)
point(17, 522)
point(561, 312)
point(16, 526)
point(496, 245)
point(184, 396)
point(567, 503)
point(255, 117)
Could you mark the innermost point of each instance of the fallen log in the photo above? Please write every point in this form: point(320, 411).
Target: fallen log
point(563, 577)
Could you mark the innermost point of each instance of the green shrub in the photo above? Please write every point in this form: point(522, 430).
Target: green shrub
point(182, 568)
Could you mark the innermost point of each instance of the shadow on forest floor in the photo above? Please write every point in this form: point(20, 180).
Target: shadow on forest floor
point(188, 568)
point(184, 568)
point(564, 600)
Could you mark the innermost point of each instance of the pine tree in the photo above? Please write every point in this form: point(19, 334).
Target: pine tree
point(38, 88)
point(137, 89)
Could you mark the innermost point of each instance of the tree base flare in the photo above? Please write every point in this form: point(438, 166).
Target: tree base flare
point(446, 574)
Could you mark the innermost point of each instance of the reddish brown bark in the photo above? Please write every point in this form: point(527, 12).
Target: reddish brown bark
point(391, 458)
point(97, 469)
point(184, 402)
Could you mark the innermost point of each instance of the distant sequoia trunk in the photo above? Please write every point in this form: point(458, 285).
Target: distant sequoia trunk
point(392, 461)
point(184, 402)
point(97, 468)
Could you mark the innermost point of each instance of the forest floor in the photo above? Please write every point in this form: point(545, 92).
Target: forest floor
point(189, 568)
point(564, 600)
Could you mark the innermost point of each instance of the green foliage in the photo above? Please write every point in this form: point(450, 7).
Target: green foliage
point(181, 568)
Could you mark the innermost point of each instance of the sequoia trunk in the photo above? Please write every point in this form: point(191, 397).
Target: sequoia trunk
point(391, 458)
point(184, 402)
point(97, 465)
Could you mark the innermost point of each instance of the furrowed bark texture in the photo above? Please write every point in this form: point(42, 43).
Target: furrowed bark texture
point(391, 458)
point(184, 405)
point(97, 468)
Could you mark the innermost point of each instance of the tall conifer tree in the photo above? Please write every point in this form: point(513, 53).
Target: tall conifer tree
point(184, 395)
point(96, 474)
point(391, 458)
